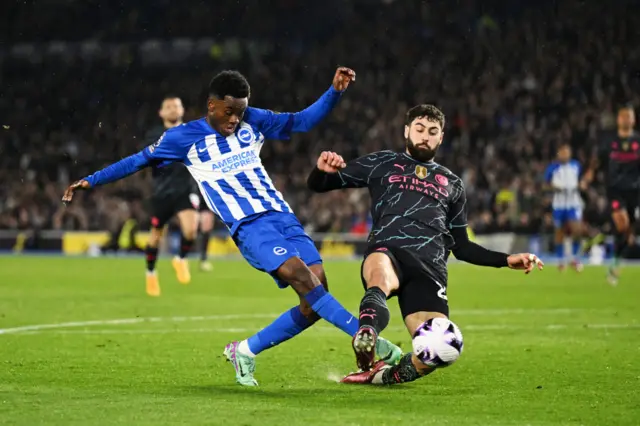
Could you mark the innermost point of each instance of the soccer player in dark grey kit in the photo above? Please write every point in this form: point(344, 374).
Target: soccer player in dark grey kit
point(419, 217)
point(175, 193)
point(619, 156)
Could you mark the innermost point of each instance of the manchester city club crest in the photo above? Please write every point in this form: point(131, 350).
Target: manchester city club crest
point(421, 172)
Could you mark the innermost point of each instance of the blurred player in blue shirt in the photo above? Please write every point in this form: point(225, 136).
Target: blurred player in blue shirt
point(563, 177)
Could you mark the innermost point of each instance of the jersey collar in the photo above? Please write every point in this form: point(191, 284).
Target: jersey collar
point(430, 162)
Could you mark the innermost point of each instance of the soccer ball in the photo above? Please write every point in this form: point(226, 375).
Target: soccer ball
point(437, 342)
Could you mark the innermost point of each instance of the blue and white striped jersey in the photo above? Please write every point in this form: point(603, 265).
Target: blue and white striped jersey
point(228, 170)
point(565, 178)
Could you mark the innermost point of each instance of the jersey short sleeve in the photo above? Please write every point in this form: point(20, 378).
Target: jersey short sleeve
point(457, 215)
point(576, 164)
point(169, 147)
point(548, 173)
point(271, 124)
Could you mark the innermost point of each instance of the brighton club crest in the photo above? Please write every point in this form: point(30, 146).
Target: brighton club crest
point(421, 172)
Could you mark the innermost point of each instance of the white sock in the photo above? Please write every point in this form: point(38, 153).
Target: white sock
point(243, 348)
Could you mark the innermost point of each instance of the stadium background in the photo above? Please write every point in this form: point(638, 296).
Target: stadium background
point(82, 82)
point(80, 85)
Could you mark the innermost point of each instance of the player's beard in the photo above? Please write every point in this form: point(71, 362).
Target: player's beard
point(421, 154)
point(173, 122)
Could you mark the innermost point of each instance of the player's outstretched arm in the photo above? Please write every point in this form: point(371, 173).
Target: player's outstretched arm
point(167, 149)
point(281, 125)
point(123, 168)
point(473, 253)
point(470, 252)
point(308, 118)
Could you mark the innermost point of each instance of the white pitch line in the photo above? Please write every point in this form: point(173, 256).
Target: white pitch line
point(324, 329)
point(124, 321)
point(37, 327)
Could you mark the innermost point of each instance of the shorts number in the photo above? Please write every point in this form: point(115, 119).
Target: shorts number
point(442, 293)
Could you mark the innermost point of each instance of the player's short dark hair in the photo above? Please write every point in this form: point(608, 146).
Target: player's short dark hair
point(230, 83)
point(429, 112)
point(625, 106)
point(169, 97)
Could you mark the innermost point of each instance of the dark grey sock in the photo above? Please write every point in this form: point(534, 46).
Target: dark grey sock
point(374, 312)
point(204, 244)
point(404, 372)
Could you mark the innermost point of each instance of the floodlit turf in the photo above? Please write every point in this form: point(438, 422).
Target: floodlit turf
point(548, 349)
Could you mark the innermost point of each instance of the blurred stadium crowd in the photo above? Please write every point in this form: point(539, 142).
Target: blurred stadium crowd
point(514, 81)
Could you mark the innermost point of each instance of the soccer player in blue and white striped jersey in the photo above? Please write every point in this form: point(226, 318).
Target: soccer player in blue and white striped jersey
point(563, 177)
point(221, 151)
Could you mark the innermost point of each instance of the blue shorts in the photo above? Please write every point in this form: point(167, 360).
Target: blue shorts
point(271, 239)
point(563, 216)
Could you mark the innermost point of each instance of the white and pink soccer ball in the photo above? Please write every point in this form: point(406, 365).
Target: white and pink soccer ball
point(437, 342)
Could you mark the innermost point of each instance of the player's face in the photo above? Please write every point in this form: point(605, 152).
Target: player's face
point(172, 110)
point(225, 114)
point(626, 119)
point(423, 138)
point(564, 154)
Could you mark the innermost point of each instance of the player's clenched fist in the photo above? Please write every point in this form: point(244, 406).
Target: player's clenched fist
point(330, 162)
point(343, 77)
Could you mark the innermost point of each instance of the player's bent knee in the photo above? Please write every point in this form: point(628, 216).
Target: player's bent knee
point(437, 343)
point(189, 234)
point(559, 234)
point(154, 237)
point(298, 275)
point(206, 221)
point(378, 277)
point(621, 221)
point(383, 278)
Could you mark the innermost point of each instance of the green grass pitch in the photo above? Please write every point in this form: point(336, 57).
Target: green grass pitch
point(544, 349)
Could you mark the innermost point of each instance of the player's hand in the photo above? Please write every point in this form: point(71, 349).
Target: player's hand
point(525, 262)
point(343, 77)
point(68, 194)
point(330, 162)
